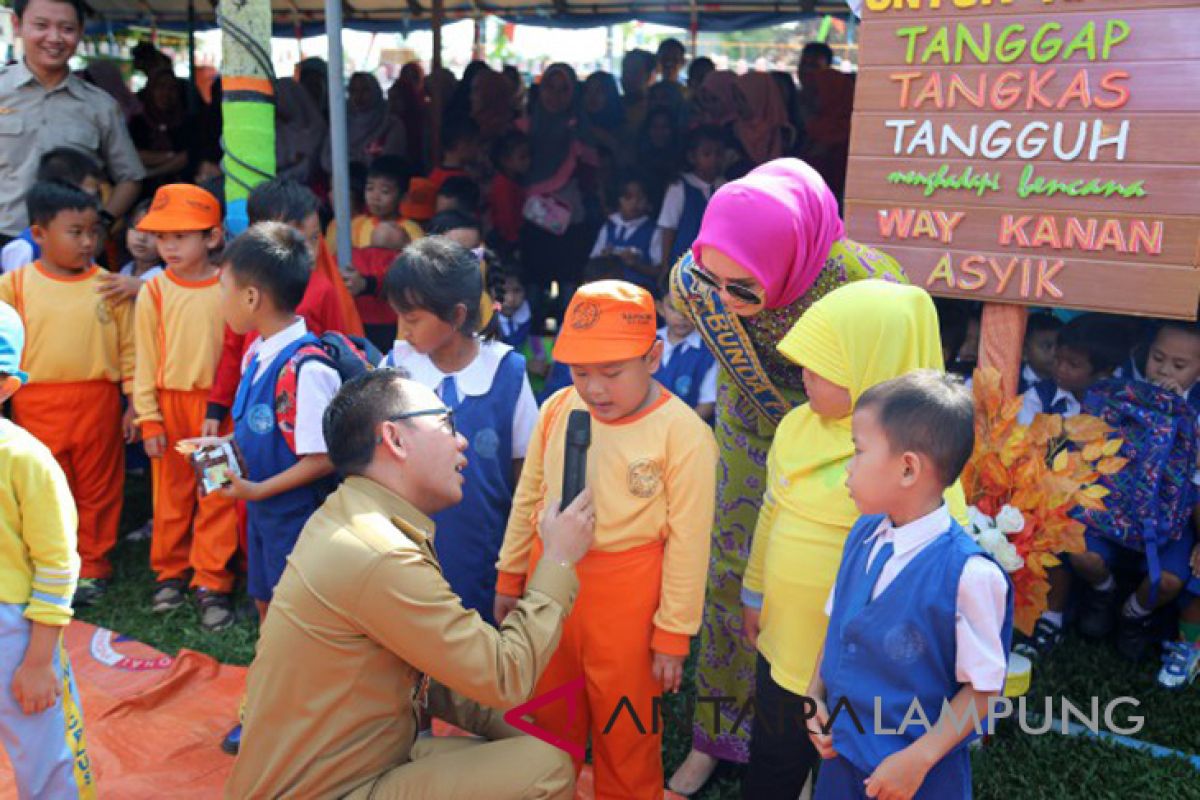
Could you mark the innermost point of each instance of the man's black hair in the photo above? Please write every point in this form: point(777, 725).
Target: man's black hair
point(437, 275)
point(352, 418)
point(81, 9)
point(47, 199)
point(68, 165)
point(282, 199)
point(274, 258)
point(463, 191)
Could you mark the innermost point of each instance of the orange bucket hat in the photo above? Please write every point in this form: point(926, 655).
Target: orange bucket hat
point(421, 200)
point(181, 207)
point(606, 321)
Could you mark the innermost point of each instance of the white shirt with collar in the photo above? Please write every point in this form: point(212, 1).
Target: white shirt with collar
point(672, 207)
point(474, 380)
point(708, 386)
point(980, 658)
point(316, 384)
point(624, 228)
point(1032, 405)
point(519, 318)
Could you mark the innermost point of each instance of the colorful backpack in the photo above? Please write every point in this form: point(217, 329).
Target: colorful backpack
point(1150, 500)
point(350, 356)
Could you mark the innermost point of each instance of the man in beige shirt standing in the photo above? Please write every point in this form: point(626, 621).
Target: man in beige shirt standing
point(364, 632)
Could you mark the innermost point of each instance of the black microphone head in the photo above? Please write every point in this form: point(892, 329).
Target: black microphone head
point(579, 428)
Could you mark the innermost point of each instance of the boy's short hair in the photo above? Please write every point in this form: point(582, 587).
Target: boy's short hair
point(393, 168)
point(282, 199)
point(507, 143)
point(1105, 339)
point(926, 412)
point(702, 134)
point(273, 258)
point(463, 191)
point(68, 165)
point(47, 199)
point(603, 268)
point(359, 407)
point(1040, 322)
point(457, 130)
point(451, 220)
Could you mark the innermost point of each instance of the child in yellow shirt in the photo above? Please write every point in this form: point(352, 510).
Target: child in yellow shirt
point(651, 470)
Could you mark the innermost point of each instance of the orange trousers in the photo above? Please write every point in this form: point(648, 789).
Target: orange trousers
point(81, 424)
point(190, 532)
point(606, 639)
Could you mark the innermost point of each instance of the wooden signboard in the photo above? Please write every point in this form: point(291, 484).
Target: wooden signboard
point(1043, 152)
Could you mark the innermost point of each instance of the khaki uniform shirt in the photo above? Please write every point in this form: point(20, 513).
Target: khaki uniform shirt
point(360, 616)
point(34, 120)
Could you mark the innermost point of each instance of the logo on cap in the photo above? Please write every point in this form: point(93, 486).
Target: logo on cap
point(161, 201)
point(585, 315)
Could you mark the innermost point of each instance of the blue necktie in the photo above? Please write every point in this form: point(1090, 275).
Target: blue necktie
point(858, 600)
point(449, 392)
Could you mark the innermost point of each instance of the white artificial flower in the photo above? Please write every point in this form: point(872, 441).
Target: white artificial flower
point(1010, 520)
point(979, 521)
point(1008, 557)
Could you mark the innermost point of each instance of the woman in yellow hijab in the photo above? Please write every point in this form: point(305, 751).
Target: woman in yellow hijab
point(857, 336)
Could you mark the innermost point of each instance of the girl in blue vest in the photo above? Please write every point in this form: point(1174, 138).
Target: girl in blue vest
point(632, 235)
point(919, 614)
point(435, 286)
point(688, 369)
point(687, 198)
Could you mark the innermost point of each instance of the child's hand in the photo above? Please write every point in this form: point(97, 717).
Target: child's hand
point(898, 777)
point(185, 447)
point(128, 427)
point(241, 489)
point(355, 284)
point(1196, 561)
point(1170, 385)
point(116, 287)
point(210, 427)
point(155, 446)
point(750, 617)
point(539, 367)
point(817, 725)
point(668, 671)
point(503, 606)
point(35, 687)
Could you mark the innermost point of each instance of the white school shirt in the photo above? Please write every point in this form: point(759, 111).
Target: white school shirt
point(316, 384)
point(15, 255)
point(672, 207)
point(474, 380)
point(519, 318)
point(625, 228)
point(1032, 405)
point(979, 658)
point(708, 386)
point(153, 272)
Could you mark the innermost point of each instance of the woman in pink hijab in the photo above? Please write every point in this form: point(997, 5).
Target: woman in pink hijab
point(762, 126)
point(770, 245)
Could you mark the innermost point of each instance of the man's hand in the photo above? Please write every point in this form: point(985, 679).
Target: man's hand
point(210, 427)
point(668, 671)
point(750, 618)
point(115, 288)
point(567, 534)
point(899, 776)
point(155, 446)
point(817, 725)
point(503, 606)
point(241, 489)
point(35, 687)
point(129, 428)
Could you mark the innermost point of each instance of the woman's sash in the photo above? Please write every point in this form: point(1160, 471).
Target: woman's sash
point(728, 341)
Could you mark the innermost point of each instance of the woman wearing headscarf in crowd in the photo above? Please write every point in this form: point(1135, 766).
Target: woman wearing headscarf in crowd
point(160, 132)
point(555, 238)
point(827, 142)
point(367, 121)
point(762, 127)
point(493, 106)
point(658, 150)
point(459, 101)
point(299, 131)
point(313, 74)
point(716, 101)
point(407, 97)
point(744, 293)
point(107, 75)
point(601, 114)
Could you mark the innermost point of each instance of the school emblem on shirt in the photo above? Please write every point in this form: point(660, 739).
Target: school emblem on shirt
point(585, 315)
point(904, 644)
point(486, 443)
point(104, 312)
point(645, 477)
point(260, 418)
point(683, 385)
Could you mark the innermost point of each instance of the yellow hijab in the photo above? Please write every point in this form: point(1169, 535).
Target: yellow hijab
point(857, 336)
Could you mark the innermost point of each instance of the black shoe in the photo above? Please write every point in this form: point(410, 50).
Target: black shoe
point(169, 595)
point(89, 591)
point(216, 610)
point(1046, 636)
point(1135, 637)
point(1096, 612)
point(233, 740)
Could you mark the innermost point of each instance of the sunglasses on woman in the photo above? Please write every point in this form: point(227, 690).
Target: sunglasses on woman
point(743, 294)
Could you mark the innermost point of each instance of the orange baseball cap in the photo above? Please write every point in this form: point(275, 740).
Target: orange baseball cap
point(420, 202)
point(181, 207)
point(607, 321)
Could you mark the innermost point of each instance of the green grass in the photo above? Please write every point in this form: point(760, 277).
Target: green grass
point(1012, 766)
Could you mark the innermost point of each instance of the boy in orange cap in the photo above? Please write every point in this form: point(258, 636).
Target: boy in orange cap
point(178, 329)
point(652, 471)
point(79, 357)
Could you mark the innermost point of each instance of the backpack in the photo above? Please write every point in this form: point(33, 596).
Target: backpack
point(1150, 500)
point(350, 356)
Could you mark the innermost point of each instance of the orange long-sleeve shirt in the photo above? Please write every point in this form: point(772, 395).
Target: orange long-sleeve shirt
point(653, 477)
point(178, 328)
point(72, 334)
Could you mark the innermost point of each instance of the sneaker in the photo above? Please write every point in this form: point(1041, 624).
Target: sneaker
point(1046, 636)
point(216, 609)
point(1135, 637)
point(141, 534)
point(1096, 612)
point(233, 740)
point(169, 595)
point(89, 591)
point(1181, 664)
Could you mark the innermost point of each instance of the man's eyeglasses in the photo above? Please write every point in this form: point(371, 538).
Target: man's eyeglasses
point(446, 413)
point(742, 294)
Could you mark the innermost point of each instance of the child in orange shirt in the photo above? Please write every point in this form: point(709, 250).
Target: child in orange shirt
point(178, 328)
point(651, 468)
point(79, 357)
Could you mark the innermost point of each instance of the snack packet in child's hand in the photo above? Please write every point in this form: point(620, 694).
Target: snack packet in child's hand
point(214, 461)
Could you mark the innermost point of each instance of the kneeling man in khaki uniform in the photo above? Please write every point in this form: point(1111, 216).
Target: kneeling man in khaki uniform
point(364, 633)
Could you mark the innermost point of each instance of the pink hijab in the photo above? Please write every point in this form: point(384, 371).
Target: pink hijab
point(795, 222)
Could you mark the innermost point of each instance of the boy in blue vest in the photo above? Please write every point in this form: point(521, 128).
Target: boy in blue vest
point(919, 613)
point(685, 200)
point(688, 370)
point(633, 236)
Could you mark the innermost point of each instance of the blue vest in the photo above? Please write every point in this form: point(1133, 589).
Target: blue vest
point(469, 534)
point(694, 203)
point(900, 646)
point(519, 335)
point(27, 236)
point(1046, 391)
point(266, 452)
point(684, 375)
point(640, 239)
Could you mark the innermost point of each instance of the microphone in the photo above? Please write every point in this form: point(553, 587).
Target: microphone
point(579, 437)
